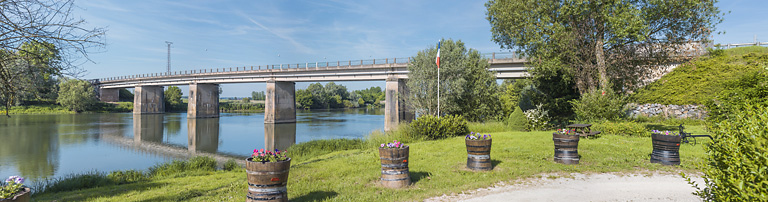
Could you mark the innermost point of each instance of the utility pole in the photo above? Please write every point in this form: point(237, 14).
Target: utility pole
point(169, 55)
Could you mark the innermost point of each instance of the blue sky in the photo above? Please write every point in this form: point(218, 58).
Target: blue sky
point(216, 34)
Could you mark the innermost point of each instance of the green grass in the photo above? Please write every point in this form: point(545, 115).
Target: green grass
point(488, 127)
point(436, 167)
point(702, 79)
point(38, 109)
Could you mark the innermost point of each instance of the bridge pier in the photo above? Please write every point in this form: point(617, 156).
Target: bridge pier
point(148, 100)
point(280, 103)
point(395, 109)
point(109, 94)
point(203, 101)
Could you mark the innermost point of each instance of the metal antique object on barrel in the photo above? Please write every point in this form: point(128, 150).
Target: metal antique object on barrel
point(666, 149)
point(566, 148)
point(267, 180)
point(479, 154)
point(394, 167)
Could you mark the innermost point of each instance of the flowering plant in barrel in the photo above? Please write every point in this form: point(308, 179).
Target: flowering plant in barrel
point(478, 151)
point(666, 147)
point(14, 190)
point(267, 173)
point(394, 164)
point(566, 146)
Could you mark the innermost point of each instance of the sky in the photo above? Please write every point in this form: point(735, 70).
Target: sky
point(229, 33)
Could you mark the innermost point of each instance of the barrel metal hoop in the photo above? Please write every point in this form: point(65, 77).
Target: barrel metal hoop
point(265, 172)
point(484, 146)
point(472, 156)
point(394, 172)
point(398, 179)
point(394, 159)
point(399, 165)
point(265, 199)
point(269, 191)
point(267, 185)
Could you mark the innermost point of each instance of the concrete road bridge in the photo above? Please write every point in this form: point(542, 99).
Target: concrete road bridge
point(280, 104)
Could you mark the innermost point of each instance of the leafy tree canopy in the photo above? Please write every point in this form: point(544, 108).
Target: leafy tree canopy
point(77, 95)
point(605, 41)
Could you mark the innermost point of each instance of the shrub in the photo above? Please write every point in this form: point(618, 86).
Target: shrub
point(624, 128)
point(433, 128)
point(736, 160)
point(517, 120)
point(202, 163)
point(537, 119)
point(751, 87)
point(599, 105)
point(126, 177)
point(230, 165)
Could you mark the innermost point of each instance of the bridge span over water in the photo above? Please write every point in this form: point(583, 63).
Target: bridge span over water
point(280, 104)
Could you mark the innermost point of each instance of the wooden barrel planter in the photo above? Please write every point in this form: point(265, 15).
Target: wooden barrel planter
point(479, 154)
point(394, 167)
point(267, 180)
point(566, 148)
point(666, 149)
point(22, 196)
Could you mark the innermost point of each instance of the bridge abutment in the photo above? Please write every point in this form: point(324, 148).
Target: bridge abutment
point(148, 100)
point(203, 101)
point(395, 109)
point(280, 103)
point(109, 94)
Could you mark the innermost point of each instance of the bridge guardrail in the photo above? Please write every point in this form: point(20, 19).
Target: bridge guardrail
point(346, 63)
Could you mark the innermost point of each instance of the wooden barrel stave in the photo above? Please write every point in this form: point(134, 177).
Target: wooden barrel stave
point(267, 181)
point(566, 148)
point(394, 167)
point(479, 154)
point(666, 149)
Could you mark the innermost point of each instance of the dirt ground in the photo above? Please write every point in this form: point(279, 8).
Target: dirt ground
point(589, 187)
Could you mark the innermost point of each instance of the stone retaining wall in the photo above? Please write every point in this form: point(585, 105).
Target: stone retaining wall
point(667, 111)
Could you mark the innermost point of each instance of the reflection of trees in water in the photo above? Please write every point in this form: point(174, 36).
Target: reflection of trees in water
point(172, 125)
point(32, 142)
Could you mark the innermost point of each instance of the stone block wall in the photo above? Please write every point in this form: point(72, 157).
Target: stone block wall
point(667, 111)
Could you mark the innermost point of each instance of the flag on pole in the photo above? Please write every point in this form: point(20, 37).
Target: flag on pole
point(437, 59)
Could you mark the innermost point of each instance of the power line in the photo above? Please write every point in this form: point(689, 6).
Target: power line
point(169, 55)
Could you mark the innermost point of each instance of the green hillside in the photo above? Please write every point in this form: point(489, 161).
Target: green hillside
point(704, 78)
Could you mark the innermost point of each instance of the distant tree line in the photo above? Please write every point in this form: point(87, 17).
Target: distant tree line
point(332, 95)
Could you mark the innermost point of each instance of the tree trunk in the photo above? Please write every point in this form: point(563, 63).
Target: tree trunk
point(601, 62)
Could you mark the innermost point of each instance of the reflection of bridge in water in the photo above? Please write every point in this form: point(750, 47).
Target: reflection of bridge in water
point(202, 135)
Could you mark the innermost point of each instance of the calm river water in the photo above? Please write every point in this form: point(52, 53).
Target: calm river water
point(51, 146)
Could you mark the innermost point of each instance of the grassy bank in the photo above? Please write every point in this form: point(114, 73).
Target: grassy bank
point(38, 109)
point(436, 167)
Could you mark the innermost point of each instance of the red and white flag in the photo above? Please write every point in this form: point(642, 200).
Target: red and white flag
point(437, 59)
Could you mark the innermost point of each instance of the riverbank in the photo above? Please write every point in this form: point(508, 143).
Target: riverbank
point(436, 167)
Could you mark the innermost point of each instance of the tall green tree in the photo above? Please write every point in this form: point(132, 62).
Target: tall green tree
point(77, 95)
point(604, 41)
point(467, 88)
point(258, 95)
point(304, 98)
point(49, 23)
point(173, 98)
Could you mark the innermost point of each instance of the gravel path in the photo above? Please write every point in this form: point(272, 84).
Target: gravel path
point(581, 187)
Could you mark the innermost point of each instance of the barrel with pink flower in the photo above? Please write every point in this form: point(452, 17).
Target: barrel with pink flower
point(13, 190)
point(478, 151)
point(267, 173)
point(394, 165)
point(566, 146)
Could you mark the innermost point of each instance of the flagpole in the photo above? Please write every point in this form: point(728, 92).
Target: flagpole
point(438, 91)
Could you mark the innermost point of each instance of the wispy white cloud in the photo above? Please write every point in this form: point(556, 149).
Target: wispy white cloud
point(280, 34)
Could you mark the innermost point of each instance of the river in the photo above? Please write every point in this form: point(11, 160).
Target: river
point(51, 146)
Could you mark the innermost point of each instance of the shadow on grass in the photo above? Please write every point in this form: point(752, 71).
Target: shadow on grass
point(317, 196)
point(416, 176)
point(661, 127)
point(494, 163)
point(98, 192)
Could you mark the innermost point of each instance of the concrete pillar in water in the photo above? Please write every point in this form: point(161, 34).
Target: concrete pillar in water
point(148, 100)
point(279, 136)
point(109, 94)
point(203, 101)
point(395, 109)
point(203, 135)
point(280, 104)
point(148, 128)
